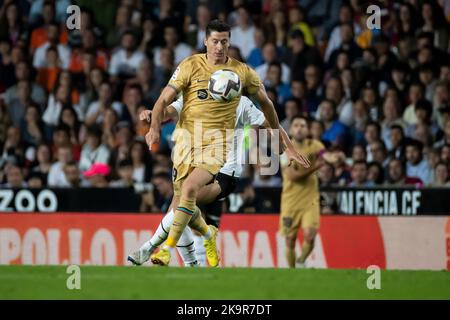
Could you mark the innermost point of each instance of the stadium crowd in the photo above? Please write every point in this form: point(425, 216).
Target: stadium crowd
point(70, 99)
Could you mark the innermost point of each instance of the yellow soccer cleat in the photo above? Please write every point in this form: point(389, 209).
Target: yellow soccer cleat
point(162, 257)
point(211, 248)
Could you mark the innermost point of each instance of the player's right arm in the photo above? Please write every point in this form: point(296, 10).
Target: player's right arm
point(177, 83)
point(167, 96)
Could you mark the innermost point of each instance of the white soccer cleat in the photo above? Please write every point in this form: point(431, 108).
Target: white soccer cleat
point(139, 257)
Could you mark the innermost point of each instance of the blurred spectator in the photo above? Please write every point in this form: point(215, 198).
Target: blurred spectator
point(291, 109)
point(122, 24)
point(299, 55)
point(47, 12)
point(150, 79)
point(97, 175)
point(14, 177)
point(270, 55)
point(440, 175)
point(359, 175)
point(371, 134)
point(358, 153)
point(41, 8)
point(125, 171)
point(335, 39)
point(397, 175)
point(96, 110)
point(313, 87)
point(126, 59)
point(93, 150)
point(255, 57)
point(396, 141)
point(197, 31)
point(73, 175)
point(163, 184)
point(434, 21)
point(35, 180)
point(446, 138)
point(142, 162)
point(17, 104)
point(242, 34)
point(11, 26)
point(273, 80)
point(416, 165)
point(376, 173)
point(416, 92)
point(32, 127)
point(326, 175)
point(379, 153)
point(43, 161)
point(297, 21)
point(56, 176)
point(342, 175)
point(391, 117)
point(335, 133)
point(63, 51)
point(171, 39)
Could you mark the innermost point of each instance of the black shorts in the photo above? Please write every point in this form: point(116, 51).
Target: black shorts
point(227, 185)
point(213, 211)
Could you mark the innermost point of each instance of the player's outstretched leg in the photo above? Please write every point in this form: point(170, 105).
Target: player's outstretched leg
point(142, 255)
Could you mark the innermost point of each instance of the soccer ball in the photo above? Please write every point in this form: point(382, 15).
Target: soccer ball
point(224, 85)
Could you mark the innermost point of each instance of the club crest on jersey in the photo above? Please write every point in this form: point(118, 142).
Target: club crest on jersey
point(202, 94)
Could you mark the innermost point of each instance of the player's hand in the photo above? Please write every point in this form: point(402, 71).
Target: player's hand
point(145, 115)
point(331, 157)
point(152, 137)
point(293, 155)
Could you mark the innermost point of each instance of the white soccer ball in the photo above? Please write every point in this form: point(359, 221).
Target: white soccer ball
point(224, 85)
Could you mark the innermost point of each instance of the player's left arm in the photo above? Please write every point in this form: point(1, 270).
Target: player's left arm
point(271, 116)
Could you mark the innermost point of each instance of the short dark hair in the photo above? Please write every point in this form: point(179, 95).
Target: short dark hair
point(398, 127)
point(162, 175)
point(360, 162)
point(415, 144)
point(95, 130)
point(63, 127)
point(307, 120)
point(218, 26)
point(125, 163)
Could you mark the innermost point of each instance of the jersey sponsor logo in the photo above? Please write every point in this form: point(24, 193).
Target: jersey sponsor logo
point(202, 94)
point(175, 74)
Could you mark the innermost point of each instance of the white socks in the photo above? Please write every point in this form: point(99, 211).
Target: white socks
point(200, 251)
point(185, 245)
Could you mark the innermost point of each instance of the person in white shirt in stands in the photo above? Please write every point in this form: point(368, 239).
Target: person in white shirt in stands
point(93, 150)
point(39, 59)
point(416, 164)
point(242, 36)
point(96, 110)
point(126, 59)
point(56, 175)
point(270, 55)
point(172, 41)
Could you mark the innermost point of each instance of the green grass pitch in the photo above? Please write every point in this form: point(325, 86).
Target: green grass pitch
point(49, 282)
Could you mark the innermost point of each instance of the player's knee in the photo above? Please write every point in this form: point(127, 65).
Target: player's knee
point(290, 242)
point(309, 235)
point(190, 190)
